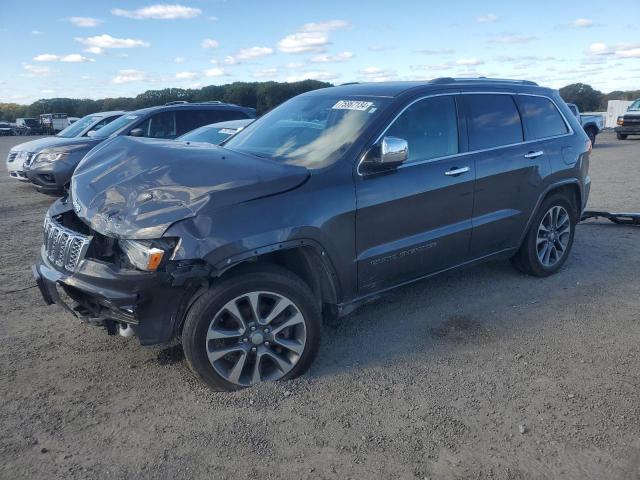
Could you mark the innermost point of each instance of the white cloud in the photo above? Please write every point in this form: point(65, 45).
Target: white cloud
point(46, 57)
point(312, 37)
point(34, 71)
point(469, 61)
point(303, 42)
point(129, 76)
point(488, 18)
point(322, 75)
point(431, 51)
point(582, 23)
point(36, 32)
point(339, 57)
point(376, 74)
point(99, 43)
point(76, 58)
point(47, 91)
point(512, 39)
point(266, 73)
point(628, 53)
point(215, 72)
point(186, 75)
point(85, 22)
point(159, 12)
point(179, 59)
point(247, 54)
point(599, 48)
point(325, 26)
point(209, 43)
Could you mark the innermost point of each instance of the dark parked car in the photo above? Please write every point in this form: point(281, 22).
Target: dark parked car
point(51, 169)
point(629, 123)
point(215, 133)
point(329, 200)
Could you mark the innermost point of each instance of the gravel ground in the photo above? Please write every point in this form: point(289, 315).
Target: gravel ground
point(484, 373)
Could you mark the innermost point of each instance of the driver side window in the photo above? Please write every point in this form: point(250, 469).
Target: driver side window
point(160, 125)
point(430, 127)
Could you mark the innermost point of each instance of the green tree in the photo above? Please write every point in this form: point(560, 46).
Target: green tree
point(584, 96)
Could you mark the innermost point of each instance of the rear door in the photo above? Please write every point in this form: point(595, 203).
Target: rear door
point(416, 219)
point(509, 172)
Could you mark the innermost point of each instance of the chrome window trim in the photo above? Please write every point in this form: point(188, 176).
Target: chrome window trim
point(461, 154)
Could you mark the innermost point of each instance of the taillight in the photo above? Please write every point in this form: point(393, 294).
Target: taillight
point(589, 146)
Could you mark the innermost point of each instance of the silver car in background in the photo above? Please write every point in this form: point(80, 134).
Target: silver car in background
point(21, 156)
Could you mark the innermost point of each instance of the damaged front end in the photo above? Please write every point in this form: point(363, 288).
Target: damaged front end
point(102, 282)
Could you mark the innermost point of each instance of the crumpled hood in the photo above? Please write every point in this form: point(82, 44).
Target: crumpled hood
point(54, 143)
point(136, 188)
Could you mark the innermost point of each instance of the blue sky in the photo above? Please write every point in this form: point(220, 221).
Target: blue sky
point(97, 49)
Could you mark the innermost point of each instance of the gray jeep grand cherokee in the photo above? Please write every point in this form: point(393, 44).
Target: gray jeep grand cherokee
point(334, 197)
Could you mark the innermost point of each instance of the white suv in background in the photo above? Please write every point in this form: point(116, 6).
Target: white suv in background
point(21, 155)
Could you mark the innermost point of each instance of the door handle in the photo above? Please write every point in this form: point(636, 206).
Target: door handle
point(534, 154)
point(455, 171)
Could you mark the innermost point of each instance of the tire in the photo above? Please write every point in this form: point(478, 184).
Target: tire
point(210, 329)
point(621, 136)
point(528, 258)
point(591, 133)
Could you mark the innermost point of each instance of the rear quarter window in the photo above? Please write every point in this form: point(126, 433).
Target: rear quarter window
point(541, 117)
point(493, 121)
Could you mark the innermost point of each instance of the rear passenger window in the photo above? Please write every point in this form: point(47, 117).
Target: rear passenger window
point(541, 117)
point(493, 121)
point(430, 127)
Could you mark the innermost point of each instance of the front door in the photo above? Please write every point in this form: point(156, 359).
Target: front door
point(416, 219)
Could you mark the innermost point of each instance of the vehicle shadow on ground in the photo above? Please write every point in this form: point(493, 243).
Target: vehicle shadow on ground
point(473, 307)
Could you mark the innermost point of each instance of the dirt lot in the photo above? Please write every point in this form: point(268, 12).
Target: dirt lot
point(484, 373)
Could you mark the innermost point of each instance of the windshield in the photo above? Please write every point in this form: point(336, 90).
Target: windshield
point(116, 125)
point(634, 106)
point(312, 131)
point(208, 134)
point(78, 127)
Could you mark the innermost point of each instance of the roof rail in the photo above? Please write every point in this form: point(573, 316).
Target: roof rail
point(212, 101)
point(176, 102)
point(349, 83)
point(481, 79)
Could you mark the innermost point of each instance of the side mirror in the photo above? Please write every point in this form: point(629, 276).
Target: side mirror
point(389, 153)
point(91, 133)
point(136, 132)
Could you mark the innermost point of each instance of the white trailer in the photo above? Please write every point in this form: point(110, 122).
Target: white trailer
point(615, 109)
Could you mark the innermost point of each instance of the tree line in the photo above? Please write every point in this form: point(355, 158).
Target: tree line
point(590, 100)
point(262, 96)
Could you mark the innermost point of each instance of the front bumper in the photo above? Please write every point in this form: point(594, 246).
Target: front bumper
point(101, 294)
point(628, 129)
point(51, 177)
point(15, 167)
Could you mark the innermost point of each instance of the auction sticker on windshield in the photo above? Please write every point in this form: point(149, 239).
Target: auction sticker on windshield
point(352, 105)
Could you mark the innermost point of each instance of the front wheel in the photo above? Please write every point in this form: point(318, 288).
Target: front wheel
point(549, 239)
point(621, 136)
point(260, 325)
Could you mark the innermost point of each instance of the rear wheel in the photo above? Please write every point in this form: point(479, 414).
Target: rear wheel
point(550, 238)
point(261, 325)
point(591, 133)
point(621, 136)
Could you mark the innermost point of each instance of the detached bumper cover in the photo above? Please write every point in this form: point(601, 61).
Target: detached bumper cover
point(98, 293)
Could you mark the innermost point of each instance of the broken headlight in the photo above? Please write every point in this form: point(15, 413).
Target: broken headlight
point(147, 255)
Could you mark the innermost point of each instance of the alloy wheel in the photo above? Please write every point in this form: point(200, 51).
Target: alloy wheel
point(553, 236)
point(256, 336)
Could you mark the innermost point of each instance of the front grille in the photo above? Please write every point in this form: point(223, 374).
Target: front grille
point(28, 159)
point(631, 120)
point(64, 247)
point(11, 157)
